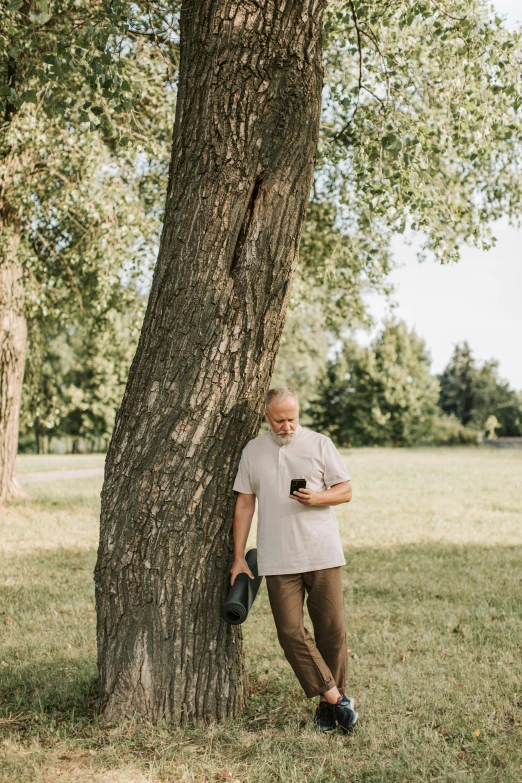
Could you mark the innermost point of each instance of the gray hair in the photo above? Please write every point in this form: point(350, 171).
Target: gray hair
point(278, 394)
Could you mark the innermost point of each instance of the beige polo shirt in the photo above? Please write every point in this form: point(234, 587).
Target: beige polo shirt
point(292, 538)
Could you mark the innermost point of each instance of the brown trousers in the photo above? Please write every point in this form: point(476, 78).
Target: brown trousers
point(321, 664)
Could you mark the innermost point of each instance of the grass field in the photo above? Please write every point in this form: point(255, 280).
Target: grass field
point(433, 584)
point(34, 463)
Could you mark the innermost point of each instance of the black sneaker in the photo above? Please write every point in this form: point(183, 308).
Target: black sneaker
point(324, 717)
point(345, 714)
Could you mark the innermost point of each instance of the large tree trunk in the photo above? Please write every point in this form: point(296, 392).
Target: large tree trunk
point(13, 339)
point(244, 143)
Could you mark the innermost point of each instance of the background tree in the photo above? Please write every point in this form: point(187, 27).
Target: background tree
point(334, 270)
point(473, 393)
point(75, 377)
point(380, 395)
point(457, 384)
point(69, 72)
point(408, 88)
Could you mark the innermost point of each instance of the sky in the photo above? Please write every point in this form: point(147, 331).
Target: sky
point(478, 300)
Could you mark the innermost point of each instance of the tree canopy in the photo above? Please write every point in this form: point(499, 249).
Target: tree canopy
point(421, 120)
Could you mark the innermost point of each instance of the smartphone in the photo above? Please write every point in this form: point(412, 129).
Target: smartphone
point(297, 484)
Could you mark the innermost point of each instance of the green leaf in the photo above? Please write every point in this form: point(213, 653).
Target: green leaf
point(29, 96)
point(15, 5)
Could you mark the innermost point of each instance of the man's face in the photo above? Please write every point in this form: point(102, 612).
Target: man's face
point(283, 418)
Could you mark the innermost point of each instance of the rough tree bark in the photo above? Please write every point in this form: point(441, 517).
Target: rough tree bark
point(13, 340)
point(244, 143)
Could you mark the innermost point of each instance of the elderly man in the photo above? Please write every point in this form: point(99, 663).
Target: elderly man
point(299, 548)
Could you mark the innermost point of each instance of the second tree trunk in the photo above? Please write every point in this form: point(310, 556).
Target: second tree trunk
point(13, 339)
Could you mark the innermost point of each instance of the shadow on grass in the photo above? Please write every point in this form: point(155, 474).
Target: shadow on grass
point(47, 637)
point(59, 688)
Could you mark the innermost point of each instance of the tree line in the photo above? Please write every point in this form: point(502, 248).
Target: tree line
point(384, 395)
point(380, 395)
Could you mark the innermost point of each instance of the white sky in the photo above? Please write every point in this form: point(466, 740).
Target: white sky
point(478, 300)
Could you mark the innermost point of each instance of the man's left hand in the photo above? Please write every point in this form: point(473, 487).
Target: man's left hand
point(307, 497)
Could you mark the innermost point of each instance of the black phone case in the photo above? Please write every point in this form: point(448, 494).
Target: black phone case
point(297, 484)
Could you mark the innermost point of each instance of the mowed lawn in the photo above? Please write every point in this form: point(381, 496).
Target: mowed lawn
point(433, 586)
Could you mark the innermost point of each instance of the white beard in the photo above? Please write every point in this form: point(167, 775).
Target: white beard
point(280, 440)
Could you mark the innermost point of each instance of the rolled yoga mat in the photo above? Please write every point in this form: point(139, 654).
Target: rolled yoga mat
point(242, 593)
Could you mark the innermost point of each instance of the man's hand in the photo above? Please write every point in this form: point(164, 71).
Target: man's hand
point(239, 566)
point(307, 497)
point(339, 493)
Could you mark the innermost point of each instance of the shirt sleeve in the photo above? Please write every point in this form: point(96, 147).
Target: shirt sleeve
point(335, 470)
point(242, 480)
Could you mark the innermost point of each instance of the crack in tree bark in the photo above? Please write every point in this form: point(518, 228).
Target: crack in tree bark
point(245, 226)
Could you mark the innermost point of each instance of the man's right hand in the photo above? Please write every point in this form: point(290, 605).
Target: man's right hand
point(240, 566)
